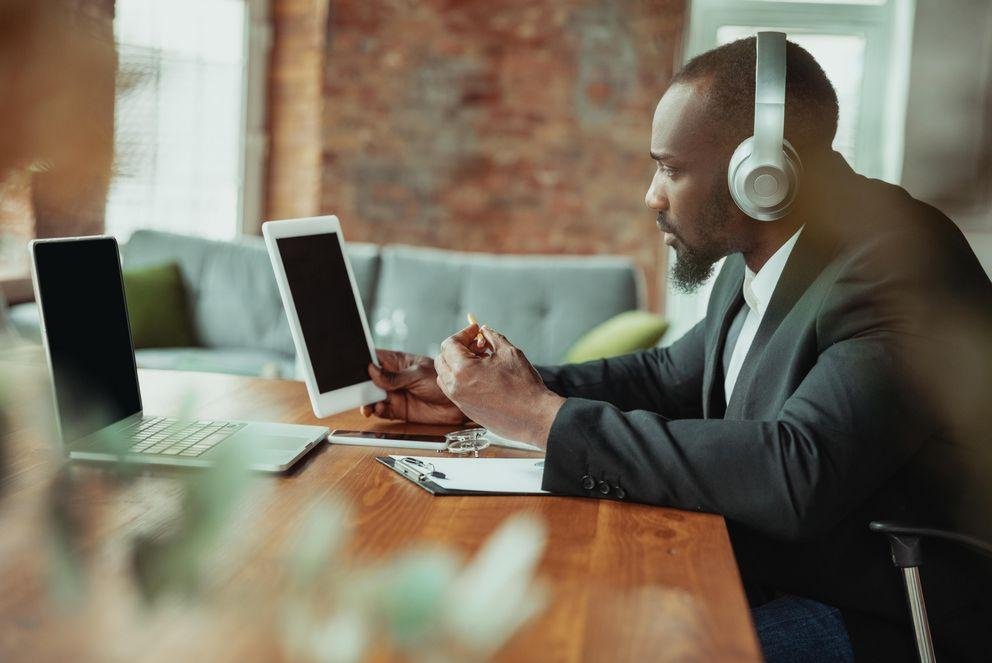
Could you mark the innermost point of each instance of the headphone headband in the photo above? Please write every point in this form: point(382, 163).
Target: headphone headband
point(769, 100)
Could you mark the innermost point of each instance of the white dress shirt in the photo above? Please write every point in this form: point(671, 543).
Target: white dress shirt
point(758, 289)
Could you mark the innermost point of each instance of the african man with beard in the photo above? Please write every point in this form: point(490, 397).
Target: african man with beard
point(819, 392)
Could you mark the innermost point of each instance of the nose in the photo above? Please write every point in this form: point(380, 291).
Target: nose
point(656, 198)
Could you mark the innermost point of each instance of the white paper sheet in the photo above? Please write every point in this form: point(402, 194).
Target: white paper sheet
point(492, 475)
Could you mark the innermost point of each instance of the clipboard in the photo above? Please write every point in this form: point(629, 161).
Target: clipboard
point(490, 485)
point(420, 479)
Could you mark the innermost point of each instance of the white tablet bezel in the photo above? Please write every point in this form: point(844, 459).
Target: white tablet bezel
point(330, 402)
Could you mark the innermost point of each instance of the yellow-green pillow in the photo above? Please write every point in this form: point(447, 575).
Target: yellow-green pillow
point(620, 335)
point(156, 307)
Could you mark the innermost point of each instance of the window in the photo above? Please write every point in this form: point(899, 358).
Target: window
point(864, 48)
point(187, 122)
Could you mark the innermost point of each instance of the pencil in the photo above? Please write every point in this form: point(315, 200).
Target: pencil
point(479, 338)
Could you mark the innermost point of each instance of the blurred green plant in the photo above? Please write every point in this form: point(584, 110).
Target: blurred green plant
point(65, 532)
point(424, 603)
point(173, 563)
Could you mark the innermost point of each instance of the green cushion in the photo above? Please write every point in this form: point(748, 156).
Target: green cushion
point(156, 306)
point(621, 334)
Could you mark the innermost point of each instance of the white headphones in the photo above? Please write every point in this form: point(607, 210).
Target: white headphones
point(764, 170)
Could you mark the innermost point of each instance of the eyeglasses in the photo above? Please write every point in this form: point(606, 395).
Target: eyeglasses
point(468, 441)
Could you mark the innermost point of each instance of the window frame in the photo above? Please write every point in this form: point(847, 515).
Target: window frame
point(250, 141)
point(887, 31)
point(254, 133)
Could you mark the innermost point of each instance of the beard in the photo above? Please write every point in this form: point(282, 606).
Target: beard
point(694, 264)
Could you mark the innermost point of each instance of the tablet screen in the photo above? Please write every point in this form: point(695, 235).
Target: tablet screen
point(327, 309)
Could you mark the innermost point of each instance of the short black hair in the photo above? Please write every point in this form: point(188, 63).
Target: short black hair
point(728, 73)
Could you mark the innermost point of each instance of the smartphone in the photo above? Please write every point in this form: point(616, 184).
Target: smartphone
point(370, 438)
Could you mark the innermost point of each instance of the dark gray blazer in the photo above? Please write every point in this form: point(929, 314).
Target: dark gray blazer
point(835, 419)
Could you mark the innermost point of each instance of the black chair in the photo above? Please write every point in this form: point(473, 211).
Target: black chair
point(907, 554)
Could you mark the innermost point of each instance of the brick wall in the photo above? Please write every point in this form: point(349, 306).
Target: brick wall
point(520, 126)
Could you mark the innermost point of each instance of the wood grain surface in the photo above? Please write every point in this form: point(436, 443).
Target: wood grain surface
point(627, 582)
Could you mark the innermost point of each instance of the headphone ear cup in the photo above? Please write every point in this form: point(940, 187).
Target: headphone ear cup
point(739, 170)
point(737, 175)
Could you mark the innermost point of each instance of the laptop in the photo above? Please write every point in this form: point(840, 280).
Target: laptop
point(80, 293)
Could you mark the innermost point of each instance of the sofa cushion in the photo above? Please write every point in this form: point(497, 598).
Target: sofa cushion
point(541, 303)
point(364, 260)
point(240, 361)
point(157, 307)
point(232, 292)
point(25, 320)
point(628, 332)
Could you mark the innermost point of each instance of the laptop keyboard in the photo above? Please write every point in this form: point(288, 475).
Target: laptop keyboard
point(170, 437)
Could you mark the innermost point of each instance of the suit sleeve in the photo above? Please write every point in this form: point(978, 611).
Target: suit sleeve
point(666, 381)
point(846, 429)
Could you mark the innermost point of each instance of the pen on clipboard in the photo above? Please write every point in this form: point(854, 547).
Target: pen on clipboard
point(407, 471)
point(480, 340)
point(417, 469)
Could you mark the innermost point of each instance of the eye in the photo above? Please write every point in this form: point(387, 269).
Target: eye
point(668, 171)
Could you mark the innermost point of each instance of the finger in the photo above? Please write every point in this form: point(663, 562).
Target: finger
point(393, 380)
point(456, 350)
point(394, 407)
point(495, 339)
point(444, 374)
point(466, 336)
point(367, 411)
point(441, 366)
point(478, 345)
point(389, 359)
point(382, 410)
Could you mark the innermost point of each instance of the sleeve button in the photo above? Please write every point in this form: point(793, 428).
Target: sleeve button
point(604, 488)
point(588, 482)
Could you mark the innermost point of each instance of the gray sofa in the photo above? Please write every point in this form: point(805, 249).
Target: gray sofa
point(542, 303)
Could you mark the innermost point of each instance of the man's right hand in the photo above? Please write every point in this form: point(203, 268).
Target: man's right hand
point(412, 393)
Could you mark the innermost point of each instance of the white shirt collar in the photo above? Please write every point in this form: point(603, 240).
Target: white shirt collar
point(758, 288)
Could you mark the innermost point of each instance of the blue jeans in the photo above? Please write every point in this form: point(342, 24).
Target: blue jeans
point(793, 629)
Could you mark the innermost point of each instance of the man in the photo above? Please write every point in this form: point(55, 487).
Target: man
point(803, 406)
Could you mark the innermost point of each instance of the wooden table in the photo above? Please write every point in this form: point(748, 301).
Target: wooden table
point(628, 582)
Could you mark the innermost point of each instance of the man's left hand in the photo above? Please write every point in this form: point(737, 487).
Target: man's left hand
point(500, 390)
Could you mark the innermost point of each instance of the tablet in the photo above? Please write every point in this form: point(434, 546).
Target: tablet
point(325, 312)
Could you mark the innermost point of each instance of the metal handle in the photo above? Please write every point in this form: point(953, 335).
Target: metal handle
point(917, 606)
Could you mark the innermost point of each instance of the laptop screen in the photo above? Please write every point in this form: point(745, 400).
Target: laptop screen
point(89, 340)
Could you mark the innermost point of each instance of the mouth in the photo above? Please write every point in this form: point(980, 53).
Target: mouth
point(670, 236)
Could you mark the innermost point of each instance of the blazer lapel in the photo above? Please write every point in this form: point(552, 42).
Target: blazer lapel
point(725, 301)
point(808, 258)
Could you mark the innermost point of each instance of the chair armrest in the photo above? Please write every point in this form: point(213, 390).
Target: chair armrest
point(905, 540)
